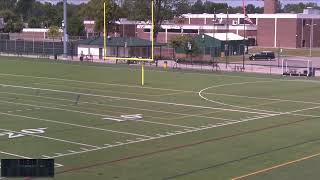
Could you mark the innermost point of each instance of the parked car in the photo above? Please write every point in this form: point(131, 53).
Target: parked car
point(267, 55)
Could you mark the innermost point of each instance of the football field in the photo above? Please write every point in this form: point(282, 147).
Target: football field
point(98, 123)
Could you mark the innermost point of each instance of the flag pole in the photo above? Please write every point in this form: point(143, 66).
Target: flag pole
point(244, 33)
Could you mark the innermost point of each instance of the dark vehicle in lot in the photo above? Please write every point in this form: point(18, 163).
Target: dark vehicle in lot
point(266, 55)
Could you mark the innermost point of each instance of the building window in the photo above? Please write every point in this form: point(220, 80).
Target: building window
point(174, 30)
point(190, 31)
point(148, 30)
point(254, 20)
point(304, 22)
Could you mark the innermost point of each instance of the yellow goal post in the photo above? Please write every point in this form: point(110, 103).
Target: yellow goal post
point(129, 58)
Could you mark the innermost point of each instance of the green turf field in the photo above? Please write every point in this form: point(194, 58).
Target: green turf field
point(194, 125)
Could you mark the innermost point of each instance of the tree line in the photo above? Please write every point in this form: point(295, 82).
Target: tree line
point(18, 14)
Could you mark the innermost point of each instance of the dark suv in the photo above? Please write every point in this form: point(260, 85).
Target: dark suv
point(267, 55)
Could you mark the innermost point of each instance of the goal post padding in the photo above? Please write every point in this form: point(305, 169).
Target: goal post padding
point(297, 67)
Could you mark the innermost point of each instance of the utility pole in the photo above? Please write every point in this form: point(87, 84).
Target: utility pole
point(65, 33)
point(311, 25)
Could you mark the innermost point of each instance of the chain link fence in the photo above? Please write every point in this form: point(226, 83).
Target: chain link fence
point(41, 49)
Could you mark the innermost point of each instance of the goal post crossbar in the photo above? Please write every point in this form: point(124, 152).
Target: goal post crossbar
point(130, 58)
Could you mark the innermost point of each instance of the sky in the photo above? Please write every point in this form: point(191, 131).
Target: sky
point(230, 2)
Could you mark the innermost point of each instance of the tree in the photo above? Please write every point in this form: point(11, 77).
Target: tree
point(198, 7)
point(13, 22)
point(25, 8)
point(177, 42)
point(8, 15)
point(94, 10)
point(182, 7)
point(185, 42)
point(51, 15)
point(75, 26)
point(298, 8)
point(53, 32)
point(34, 23)
point(7, 4)
point(18, 26)
point(126, 8)
point(9, 27)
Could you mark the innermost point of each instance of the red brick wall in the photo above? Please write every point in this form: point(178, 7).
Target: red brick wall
point(299, 33)
point(316, 34)
point(127, 30)
point(31, 35)
point(266, 32)
point(197, 21)
point(286, 32)
point(248, 33)
point(89, 27)
point(306, 32)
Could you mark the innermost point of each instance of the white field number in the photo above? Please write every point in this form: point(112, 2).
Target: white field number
point(132, 117)
point(23, 133)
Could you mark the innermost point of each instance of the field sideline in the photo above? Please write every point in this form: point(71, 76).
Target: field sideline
point(98, 123)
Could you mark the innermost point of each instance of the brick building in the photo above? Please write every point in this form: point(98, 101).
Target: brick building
point(270, 29)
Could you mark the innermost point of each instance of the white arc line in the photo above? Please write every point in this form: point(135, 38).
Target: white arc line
point(134, 99)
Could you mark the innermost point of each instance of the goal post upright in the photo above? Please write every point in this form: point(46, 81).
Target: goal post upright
point(143, 60)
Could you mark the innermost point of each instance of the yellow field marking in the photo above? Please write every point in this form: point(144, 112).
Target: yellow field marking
point(276, 166)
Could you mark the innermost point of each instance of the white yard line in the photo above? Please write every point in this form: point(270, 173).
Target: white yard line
point(134, 99)
point(162, 136)
point(154, 88)
point(104, 116)
point(263, 98)
point(189, 131)
point(166, 124)
point(25, 157)
point(39, 96)
point(97, 90)
point(50, 138)
point(125, 107)
point(182, 91)
point(15, 155)
point(76, 125)
point(234, 106)
point(97, 83)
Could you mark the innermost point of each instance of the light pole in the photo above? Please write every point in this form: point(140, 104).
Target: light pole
point(65, 27)
point(311, 36)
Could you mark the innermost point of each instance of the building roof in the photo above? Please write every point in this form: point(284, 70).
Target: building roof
point(119, 42)
point(37, 30)
point(224, 36)
point(240, 15)
point(204, 40)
